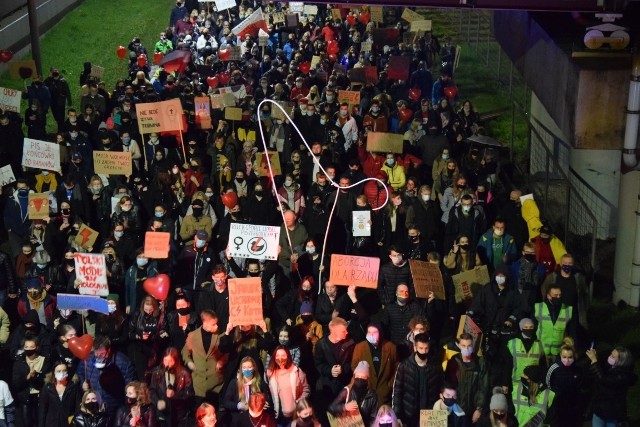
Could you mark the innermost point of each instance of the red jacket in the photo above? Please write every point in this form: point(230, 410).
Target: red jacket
point(370, 166)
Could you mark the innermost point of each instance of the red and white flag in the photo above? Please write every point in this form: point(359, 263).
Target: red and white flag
point(251, 25)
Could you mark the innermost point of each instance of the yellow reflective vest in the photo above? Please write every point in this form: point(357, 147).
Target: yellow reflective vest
point(549, 333)
point(531, 414)
point(522, 359)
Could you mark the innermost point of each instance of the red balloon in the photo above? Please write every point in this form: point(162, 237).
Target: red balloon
point(451, 91)
point(414, 93)
point(332, 47)
point(333, 58)
point(142, 60)
point(351, 19)
point(157, 57)
point(224, 54)
point(158, 287)
point(121, 51)
point(213, 82)
point(405, 115)
point(81, 346)
point(224, 77)
point(230, 199)
point(364, 18)
point(5, 56)
point(305, 67)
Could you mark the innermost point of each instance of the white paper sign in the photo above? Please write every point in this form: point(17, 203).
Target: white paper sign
point(91, 270)
point(254, 241)
point(361, 223)
point(10, 99)
point(225, 4)
point(296, 6)
point(6, 175)
point(41, 155)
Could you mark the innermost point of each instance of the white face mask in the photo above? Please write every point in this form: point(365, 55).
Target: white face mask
point(426, 197)
point(61, 376)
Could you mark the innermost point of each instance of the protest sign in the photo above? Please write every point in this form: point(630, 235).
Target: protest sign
point(467, 282)
point(202, 112)
point(351, 97)
point(253, 241)
point(220, 101)
point(399, 68)
point(354, 270)
point(10, 99)
point(86, 237)
point(112, 162)
point(245, 301)
point(224, 4)
point(6, 175)
point(24, 69)
point(156, 244)
point(377, 14)
point(421, 25)
point(427, 277)
point(336, 14)
point(276, 113)
point(277, 17)
point(469, 326)
point(310, 10)
point(82, 302)
point(97, 71)
point(233, 113)
point(361, 224)
point(410, 16)
point(38, 205)
point(91, 271)
point(346, 419)
point(366, 75)
point(262, 168)
point(315, 60)
point(41, 155)
point(263, 38)
point(296, 7)
point(159, 116)
point(366, 46)
point(433, 418)
point(383, 142)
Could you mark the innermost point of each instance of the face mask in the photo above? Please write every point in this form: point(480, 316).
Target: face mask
point(528, 333)
point(126, 141)
point(158, 214)
point(530, 257)
point(466, 209)
point(125, 208)
point(464, 246)
point(461, 187)
point(209, 195)
point(445, 157)
point(240, 180)
point(34, 294)
point(306, 318)
point(142, 262)
point(288, 183)
point(500, 280)
point(23, 192)
point(567, 268)
point(372, 339)
point(343, 113)
point(556, 301)
point(92, 407)
point(200, 244)
point(29, 352)
point(391, 162)
point(41, 266)
point(247, 373)
point(375, 109)
point(132, 401)
point(307, 420)
point(466, 352)
point(311, 250)
point(61, 376)
point(426, 197)
point(284, 341)
point(73, 120)
point(449, 401)
point(323, 121)
point(183, 311)
point(498, 233)
point(118, 234)
point(567, 362)
point(422, 356)
point(413, 239)
point(153, 139)
point(402, 300)
point(396, 259)
point(197, 212)
point(611, 361)
point(100, 365)
point(499, 416)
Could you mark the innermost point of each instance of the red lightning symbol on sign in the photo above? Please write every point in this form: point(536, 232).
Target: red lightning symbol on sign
point(86, 233)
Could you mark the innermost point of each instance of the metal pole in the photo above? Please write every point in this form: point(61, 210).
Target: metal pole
point(35, 35)
point(546, 183)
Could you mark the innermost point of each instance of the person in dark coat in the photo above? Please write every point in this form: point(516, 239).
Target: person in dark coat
point(29, 371)
point(564, 378)
point(54, 410)
point(171, 388)
point(92, 412)
point(357, 396)
point(138, 407)
point(396, 315)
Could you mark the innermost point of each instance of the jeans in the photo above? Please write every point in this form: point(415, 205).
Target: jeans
point(603, 422)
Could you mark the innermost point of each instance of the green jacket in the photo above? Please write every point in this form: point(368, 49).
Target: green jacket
point(472, 380)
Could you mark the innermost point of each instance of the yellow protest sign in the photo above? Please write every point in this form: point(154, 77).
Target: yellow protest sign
point(376, 13)
point(336, 14)
point(410, 16)
point(346, 419)
point(245, 301)
point(86, 237)
point(25, 69)
point(233, 113)
point(159, 116)
point(421, 25)
point(112, 162)
point(383, 142)
point(351, 97)
point(262, 168)
point(315, 60)
point(276, 113)
point(38, 205)
point(433, 418)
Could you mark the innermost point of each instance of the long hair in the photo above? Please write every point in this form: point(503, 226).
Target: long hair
point(382, 411)
point(255, 384)
point(273, 366)
point(301, 406)
point(144, 396)
point(51, 376)
point(83, 408)
point(174, 353)
point(155, 313)
point(312, 292)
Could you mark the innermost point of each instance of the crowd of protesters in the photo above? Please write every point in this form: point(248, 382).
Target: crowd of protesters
point(324, 349)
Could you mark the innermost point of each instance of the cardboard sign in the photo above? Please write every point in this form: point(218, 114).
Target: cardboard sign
point(276, 113)
point(235, 53)
point(336, 14)
point(410, 16)
point(10, 99)
point(91, 270)
point(469, 326)
point(82, 302)
point(263, 38)
point(310, 10)
point(365, 75)
point(220, 101)
point(38, 205)
point(233, 113)
point(421, 25)
point(262, 167)
point(253, 241)
point(384, 142)
point(41, 155)
point(25, 69)
point(96, 71)
point(433, 418)
point(465, 282)
point(377, 14)
point(315, 60)
point(245, 301)
point(156, 244)
point(277, 17)
point(361, 224)
point(399, 68)
point(112, 162)
point(296, 6)
point(427, 277)
point(366, 46)
point(224, 4)
point(203, 112)
point(346, 419)
point(349, 270)
point(86, 237)
point(159, 116)
point(351, 97)
point(6, 176)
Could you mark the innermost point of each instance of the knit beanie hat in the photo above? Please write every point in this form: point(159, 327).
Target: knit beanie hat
point(525, 321)
point(306, 307)
point(498, 402)
point(362, 368)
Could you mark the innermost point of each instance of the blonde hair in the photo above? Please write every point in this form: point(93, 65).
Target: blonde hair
point(255, 384)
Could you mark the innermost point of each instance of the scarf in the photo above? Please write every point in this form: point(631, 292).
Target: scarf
point(35, 303)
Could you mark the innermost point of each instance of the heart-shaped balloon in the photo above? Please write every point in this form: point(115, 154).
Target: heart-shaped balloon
point(332, 47)
point(451, 91)
point(142, 60)
point(224, 77)
point(25, 72)
point(81, 346)
point(213, 82)
point(405, 115)
point(364, 18)
point(157, 57)
point(305, 67)
point(351, 19)
point(333, 58)
point(121, 51)
point(230, 199)
point(5, 55)
point(414, 93)
point(157, 287)
point(224, 54)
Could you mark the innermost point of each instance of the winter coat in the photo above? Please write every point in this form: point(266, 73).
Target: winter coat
point(148, 417)
point(471, 380)
point(22, 385)
point(325, 360)
point(610, 391)
point(230, 399)
point(406, 389)
point(390, 277)
point(83, 419)
point(381, 380)
point(15, 220)
point(7, 282)
point(299, 386)
point(205, 375)
point(367, 404)
point(54, 412)
point(396, 317)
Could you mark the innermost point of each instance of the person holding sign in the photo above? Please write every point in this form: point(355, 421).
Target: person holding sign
point(357, 397)
point(449, 402)
point(396, 316)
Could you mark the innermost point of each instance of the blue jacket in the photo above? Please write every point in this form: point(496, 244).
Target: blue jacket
point(485, 248)
point(14, 218)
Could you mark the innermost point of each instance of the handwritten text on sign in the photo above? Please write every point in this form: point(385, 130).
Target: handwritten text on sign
point(253, 241)
point(91, 270)
point(245, 301)
point(427, 278)
point(156, 244)
point(112, 162)
point(433, 418)
point(10, 99)
point(465, 282)
point(41, 155)
point(354, 270)
point(159, 116)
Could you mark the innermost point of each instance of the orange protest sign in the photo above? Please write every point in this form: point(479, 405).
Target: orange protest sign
point(159, 116)
point(262, 168)
point(86, 237)
point(245, 301)
point(156, 244)
point(112, 162)
point(351, 97)
point(349, 270)
point(38, 205)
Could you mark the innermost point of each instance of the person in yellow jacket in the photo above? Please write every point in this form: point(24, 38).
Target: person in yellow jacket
point(395, 172)
point(531, 397)
point(542, 235)
point(555, 321)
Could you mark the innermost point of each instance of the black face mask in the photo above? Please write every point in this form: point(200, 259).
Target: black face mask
point(197, 212)
point(422, 356)
point(29, 352)
point(530, 257)
point(529, 334)
point(464, 247)
point(413, 238)
point(259, 193)
point(65, 211)
point(556, 302)
point(360, 384)
point(449, 401)
point(307, 318)
point(254, 274)
point(307, 421)
point(499, 416)
point(184, 311)
point(132, 401)
point(92, 407)
point(71, 262)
